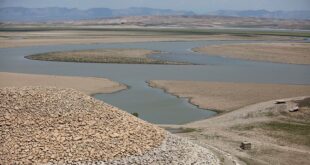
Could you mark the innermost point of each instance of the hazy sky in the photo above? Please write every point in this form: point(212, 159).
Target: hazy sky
point(193, 5)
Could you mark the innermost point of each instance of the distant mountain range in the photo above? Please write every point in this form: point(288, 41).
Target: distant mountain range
point(264, 14)
point(63, 14)
point(20, 14)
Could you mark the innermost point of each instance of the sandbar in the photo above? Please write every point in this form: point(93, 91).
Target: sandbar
point(291, 53)
point(88, 85)
point(227, 96)
point(119, 56)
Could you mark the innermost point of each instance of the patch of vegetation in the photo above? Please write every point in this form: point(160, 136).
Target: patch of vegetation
point(269, 114)
point(135, 114)
point(182, 130)
point(215, 136)
point(244, 127)
point(249, 161)
point(102, 56)
point(302, 116)
point(304, 103)
point(292, 132)
point(249, 115)
point(299, 129)
point(188, 130)
point(239, 32)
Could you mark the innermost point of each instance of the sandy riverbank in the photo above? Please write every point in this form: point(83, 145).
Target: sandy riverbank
point(222, 96)
point(292, 53)
point(57, 37)
point(119, 56)
point(277, 135)
point(88, 85)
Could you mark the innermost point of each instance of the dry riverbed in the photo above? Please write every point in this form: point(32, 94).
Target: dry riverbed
point(88, 85)
point(222, 96)
point(292, 53)
point(120, 56)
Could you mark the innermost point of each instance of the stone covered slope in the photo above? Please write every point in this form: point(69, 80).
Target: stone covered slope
point(41, 125)
point(63, 126)
point(174, 151)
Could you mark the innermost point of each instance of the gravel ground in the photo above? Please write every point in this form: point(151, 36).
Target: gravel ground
point(63, 126)
point(174, 150)
point(40, 125)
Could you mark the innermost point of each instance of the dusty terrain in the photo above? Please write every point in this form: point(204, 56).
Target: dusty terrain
point(120, 56)
point(292, 53)
point(63, 126)
point(189, 22)
point(224, 97)
point(88, 85)
point(21, 39)
point(202, 21)
point(277, 135)
point(37, 35)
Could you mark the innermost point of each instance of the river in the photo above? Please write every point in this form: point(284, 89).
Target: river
point(152, 104)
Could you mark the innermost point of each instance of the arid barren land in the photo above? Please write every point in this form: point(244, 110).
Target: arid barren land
point(276, 134)
point(38, 34)
point(293, 53)
point(88, 85)
point(225, 96)
point(249, 112)
point(186, 21)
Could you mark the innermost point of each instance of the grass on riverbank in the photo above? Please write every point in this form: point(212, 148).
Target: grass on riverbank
point(305, 103)
point(120, 56)
point(167, 31)
point(182, 130)
point(285, 127)
point(291, 132)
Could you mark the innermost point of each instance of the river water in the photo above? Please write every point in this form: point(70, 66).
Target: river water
point(152, 104)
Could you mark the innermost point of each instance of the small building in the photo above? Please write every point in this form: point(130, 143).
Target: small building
point(294, 109)
point(280, 102)
point(246, 145)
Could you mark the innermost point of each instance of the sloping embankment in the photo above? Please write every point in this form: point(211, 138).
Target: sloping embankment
point(63, 126)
